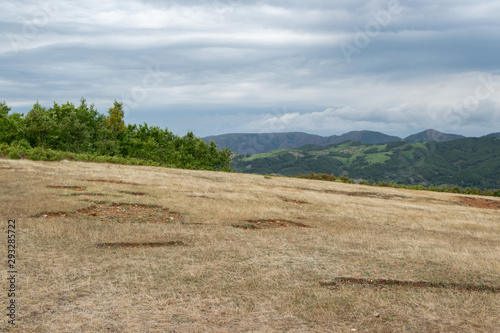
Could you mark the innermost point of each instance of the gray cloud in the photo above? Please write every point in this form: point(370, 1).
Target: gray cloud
point(187, 64)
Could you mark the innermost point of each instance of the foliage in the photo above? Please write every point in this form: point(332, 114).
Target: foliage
point(468, 162)
point(454, 189)
point(81, 133)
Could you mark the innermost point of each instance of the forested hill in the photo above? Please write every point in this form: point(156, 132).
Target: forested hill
point(80, 132)
point(473, 162)
point(432, 135)
point(255, 143)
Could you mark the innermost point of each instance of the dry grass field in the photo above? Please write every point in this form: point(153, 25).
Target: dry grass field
point(112, 248)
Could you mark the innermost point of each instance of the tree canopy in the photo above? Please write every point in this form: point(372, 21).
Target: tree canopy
point(81, 129)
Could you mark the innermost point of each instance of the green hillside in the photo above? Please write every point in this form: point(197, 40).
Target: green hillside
point(473, 162)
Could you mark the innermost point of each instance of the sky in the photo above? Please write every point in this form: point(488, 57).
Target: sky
point(323, 67)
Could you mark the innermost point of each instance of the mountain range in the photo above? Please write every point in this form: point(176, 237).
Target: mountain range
point(466, 162)
point(256, 143)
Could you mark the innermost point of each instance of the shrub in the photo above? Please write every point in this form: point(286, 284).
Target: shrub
point(347, 180)
point(14, 154)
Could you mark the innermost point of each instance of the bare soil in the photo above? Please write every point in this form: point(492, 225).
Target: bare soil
point(92, 194)
point(61, 187)
point(134, 193)
point(268, 224)
point(298, 202)
point(120, 213)
point(481, 203)
point(383, 283)
point(139, 245)
point(111, 182)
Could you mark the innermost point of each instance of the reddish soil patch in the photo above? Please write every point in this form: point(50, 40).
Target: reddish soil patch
point(134, 193)
point(137, 245)
point(268, 224)
point(74, 188)
point(111, 181)
point(481, 203)
point(382, 283)
point(121, 213)
point(298, 202)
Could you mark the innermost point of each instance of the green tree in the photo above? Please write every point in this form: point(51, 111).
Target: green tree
point(11, 126)
point(114, 121)
point(39, 126)
point(4, 109)
point(72, 132)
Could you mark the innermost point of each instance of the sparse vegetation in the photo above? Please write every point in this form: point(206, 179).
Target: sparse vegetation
point(372, 259)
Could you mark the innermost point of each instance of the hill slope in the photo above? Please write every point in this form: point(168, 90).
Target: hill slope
point(432, 135)
point(465, 162)
point(203, 251)
point(253, 143)
point(493, 135)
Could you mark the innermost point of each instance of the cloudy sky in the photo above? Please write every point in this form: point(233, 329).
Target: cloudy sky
point(226, 66)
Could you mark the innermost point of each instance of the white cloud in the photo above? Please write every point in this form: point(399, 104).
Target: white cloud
point(217, 58)
point(399, 120)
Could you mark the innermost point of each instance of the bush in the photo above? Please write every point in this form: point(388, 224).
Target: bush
point(14, 154)
point(37, 154)
point(347, 180)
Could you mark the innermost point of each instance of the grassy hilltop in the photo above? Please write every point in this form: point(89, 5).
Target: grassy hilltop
point(106, 247)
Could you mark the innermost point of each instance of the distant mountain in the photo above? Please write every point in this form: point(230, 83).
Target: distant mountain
point(253, 143)
point(432, 135)
point(492, 135)
point(366, 137)
point(473, 162)
point(256, 143)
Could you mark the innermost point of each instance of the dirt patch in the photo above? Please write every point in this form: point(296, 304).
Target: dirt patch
point(90, 194)
point(138, 245)
point(121, 213)
point(268, 224)
point(382, 283)
point(368, 195)
point(298, 202)
point(200, 197)
point(74, 188)
point(352, 194)
point(134, 193)
point(53, 214)
point(481, 203)
point(111, 181)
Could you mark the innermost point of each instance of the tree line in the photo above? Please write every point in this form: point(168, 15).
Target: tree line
point(82, 129)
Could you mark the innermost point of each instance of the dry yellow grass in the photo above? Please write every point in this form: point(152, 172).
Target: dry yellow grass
point(228, 279)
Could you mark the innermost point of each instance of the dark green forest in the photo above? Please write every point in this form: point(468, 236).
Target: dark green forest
point(467, 162)
point(80, 132)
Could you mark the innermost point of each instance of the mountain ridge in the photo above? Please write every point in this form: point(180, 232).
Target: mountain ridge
point(256, 143)
point(472, 162)
point(432, 135)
